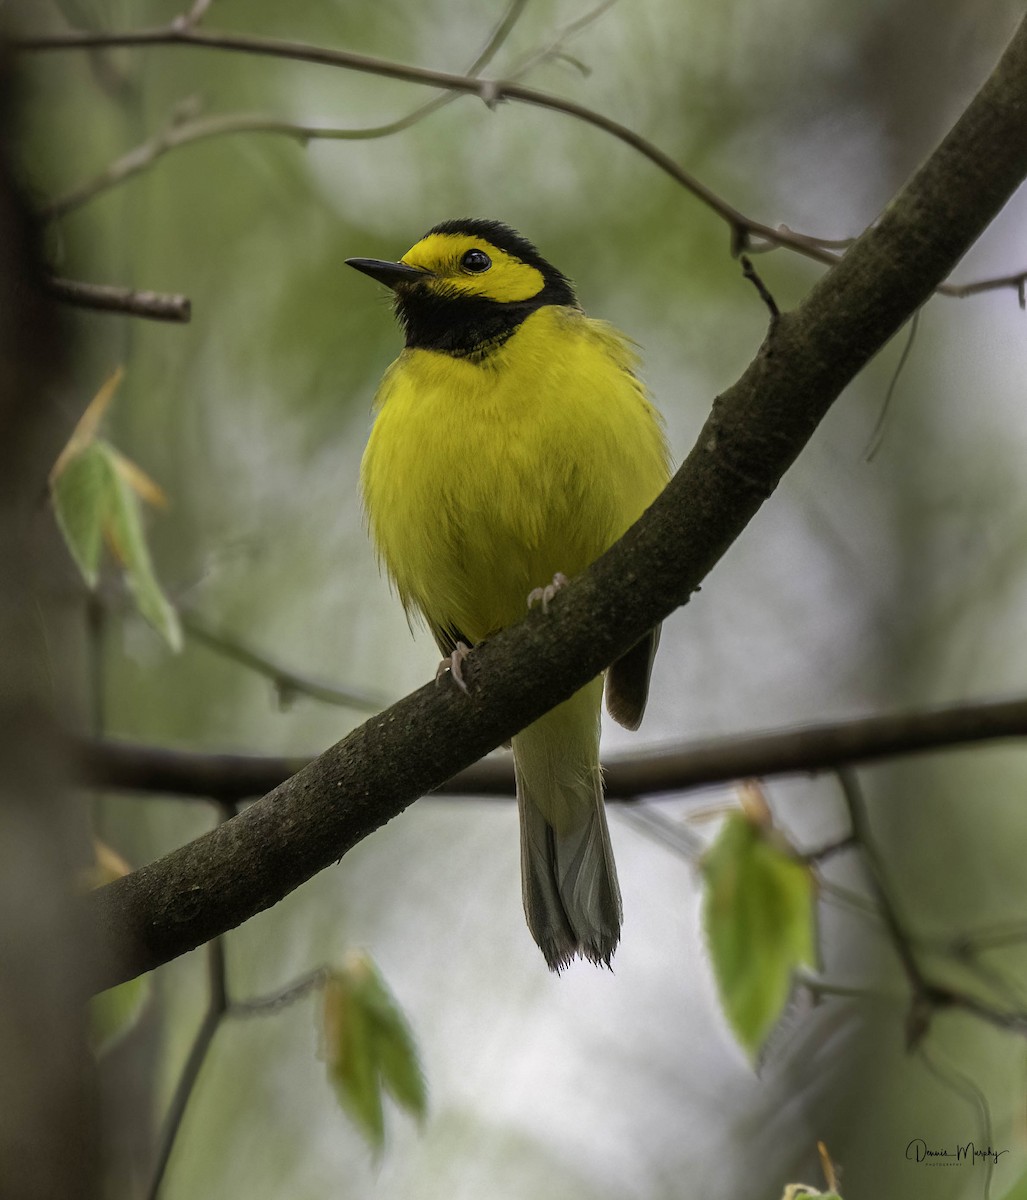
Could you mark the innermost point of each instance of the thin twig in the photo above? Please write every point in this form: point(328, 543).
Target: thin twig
point(1018, 282)
point(154, 306)
point(262, 1006)
point(196, 14)
point(217, 1008)
point(848, 898)
point(829, 849)
point(743, 229)
point(492, 91)
point(670, 834)
point(876, 439)
point(820, 988)
point(1013, 933)
point(960, 1083)
point(928, 996)
point(186, 131)
point(924, 998)
point(749, 272)
point(499, 36)
point(288, 684)
point(555, 47)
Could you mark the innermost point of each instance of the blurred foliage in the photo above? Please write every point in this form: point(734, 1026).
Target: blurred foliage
point(368, 1047)
point(96, 497)
point(861, 587)
point(759, 922)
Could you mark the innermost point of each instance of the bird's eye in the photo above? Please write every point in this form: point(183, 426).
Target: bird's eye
point(476, 261)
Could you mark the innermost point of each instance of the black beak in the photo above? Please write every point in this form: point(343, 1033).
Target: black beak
point(390, 273)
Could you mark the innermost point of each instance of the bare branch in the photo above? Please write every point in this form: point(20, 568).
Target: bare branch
point(746, 232)
point(804, 750)
point(287, 683)
point(195, 15)
point(491, 91)
point(1017, 281)
point(217, 1010)
point(154, 306)
point(876, 439)
point(183, 130)
point(925, 997)
point(928, 995)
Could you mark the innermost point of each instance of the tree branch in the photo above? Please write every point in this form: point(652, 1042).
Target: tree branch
point(126, 766)
point(155, 306)
point(287, 683)
point(184, 129)
point(755, 431)
point(491, 91)
point(182, 33)
point(928, 996)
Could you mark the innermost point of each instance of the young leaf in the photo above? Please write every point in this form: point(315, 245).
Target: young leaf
point(350, 1054)
point(124, 530)
point(759, 916)
point(395, 1048)
point(82, 491)
point(96, 495)
point(368, 1046)
point(85, 431)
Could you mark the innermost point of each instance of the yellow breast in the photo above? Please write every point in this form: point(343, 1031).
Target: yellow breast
point(481, 480)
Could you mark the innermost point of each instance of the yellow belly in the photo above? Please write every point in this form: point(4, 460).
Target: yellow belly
point(482, 480)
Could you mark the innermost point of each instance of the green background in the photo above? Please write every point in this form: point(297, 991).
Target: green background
point(860, 588)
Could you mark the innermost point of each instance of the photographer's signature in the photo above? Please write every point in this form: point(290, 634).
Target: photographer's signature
point(967, 1153)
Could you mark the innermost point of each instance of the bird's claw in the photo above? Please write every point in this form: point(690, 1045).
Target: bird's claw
point(543, 595)
point(454, 665)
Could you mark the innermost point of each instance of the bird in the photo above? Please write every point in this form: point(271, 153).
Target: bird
point(512, 443)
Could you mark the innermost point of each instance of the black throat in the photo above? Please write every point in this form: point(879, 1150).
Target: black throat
point(462, 326)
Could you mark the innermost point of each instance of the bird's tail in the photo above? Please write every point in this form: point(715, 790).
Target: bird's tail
point(571, 898)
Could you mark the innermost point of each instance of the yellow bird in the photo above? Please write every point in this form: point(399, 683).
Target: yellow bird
point(512, 444)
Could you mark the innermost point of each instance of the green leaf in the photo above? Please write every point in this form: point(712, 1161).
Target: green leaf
point(759, 917)
point(351, 1058)
point(124, 528)
point(97, 495)
point(395, 1049)
point(82, 496)
point(368, 1047)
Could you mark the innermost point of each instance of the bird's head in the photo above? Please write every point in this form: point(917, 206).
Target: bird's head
point(466, 286)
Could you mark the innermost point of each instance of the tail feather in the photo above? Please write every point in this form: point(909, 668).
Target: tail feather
point(571, 897)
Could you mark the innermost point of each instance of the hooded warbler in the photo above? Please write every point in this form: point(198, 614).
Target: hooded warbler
point(512, 444)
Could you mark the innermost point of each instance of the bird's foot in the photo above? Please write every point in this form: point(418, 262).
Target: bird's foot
point(454, 665)
point(542, 595)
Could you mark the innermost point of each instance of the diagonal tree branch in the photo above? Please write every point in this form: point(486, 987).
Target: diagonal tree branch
point(755, 431)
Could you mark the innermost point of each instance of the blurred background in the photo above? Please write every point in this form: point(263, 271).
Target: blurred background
point(862, 587)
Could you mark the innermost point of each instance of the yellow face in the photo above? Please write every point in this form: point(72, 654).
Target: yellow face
point(464, 265)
